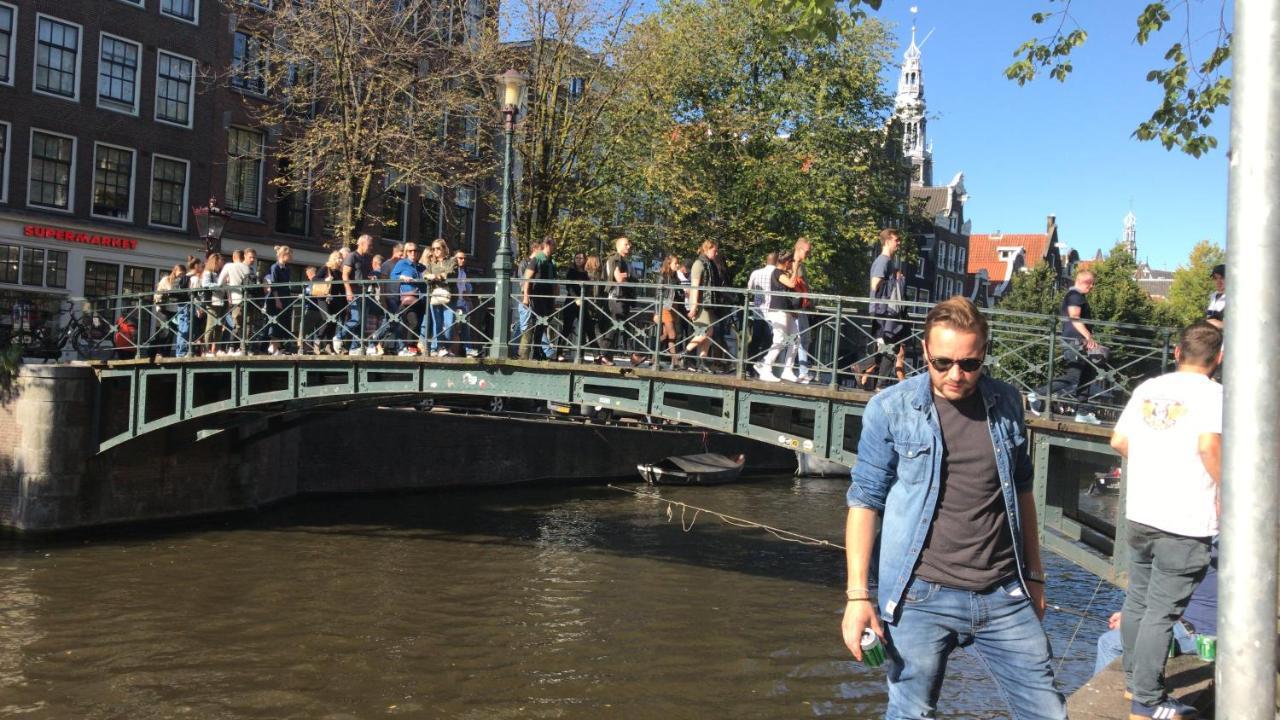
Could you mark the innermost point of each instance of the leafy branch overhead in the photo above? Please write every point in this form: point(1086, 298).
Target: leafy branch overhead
point(1192, 91)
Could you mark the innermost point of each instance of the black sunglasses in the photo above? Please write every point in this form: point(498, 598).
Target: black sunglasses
point(943, 364)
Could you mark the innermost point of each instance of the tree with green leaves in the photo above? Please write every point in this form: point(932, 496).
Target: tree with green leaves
point(1189, 294)
point(739, 131)
point(1117, 296)
point(1194, 82)
point(1193, 88)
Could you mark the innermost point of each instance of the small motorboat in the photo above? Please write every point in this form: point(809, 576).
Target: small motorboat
point(1106, 483)
point(813, 466)
point(702, 469)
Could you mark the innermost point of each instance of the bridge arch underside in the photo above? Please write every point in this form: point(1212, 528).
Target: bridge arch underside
point(138, 398)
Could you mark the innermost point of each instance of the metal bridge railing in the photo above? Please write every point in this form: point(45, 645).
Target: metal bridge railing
point(826, 339)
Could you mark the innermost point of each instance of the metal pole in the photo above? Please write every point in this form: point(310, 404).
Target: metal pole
point(503, 261)
point(1246, 666)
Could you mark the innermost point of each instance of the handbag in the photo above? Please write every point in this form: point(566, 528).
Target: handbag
point(440, 296)
point(321, 289)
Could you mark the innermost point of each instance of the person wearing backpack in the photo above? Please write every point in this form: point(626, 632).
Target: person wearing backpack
point(704, 301)
point(538, 294)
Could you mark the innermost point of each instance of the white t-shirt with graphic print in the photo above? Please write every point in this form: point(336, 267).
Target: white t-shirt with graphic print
point(1168, 487)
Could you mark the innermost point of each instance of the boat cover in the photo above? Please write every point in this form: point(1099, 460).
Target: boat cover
point(703, 463)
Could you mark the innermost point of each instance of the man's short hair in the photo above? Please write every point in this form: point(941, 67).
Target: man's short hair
point(958, 313)
point(1200, 344)
point(1219, 270)
point(1082, 271)
point(888, 234)
point(771, 258)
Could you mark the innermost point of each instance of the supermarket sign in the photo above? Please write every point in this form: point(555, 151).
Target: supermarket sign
point(74, 236)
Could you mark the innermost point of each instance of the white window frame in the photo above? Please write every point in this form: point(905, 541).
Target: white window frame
point(8, 150)
point(35, 58)
point(139, 4)
point(112, 105)
point(186, 191)
point(262, 59)
point(192, 21)
point(262, 166)
point(191, 92)
point(13, 46)
point(71, 178)
point(133, 181)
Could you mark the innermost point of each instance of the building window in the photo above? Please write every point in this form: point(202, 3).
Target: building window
point(32, 266)
point(50, 172)
point(57, 57)
point(293, 208)
point(174, 88)
point(4, 161)
point(248, 64)
point(8, 18)
point(55, 269)
point(101, 279)
point(964, 260)
point(112, 182)
point(135, 3)
point(9, 255)
point(395, 200)
point(577, 87)
point(429, 215)
point(181, 9)
point(138, 279)
point(244, 170)
point(118, 74)
point(168, 192)
point(471, 135)
point(465, 201)
point(924, 295)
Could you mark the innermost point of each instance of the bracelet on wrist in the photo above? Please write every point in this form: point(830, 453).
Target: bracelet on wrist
point(864, 598)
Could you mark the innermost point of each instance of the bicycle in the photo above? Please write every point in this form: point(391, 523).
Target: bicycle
point(89, 333)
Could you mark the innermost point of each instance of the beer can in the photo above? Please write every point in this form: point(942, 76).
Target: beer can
point(1207, 647)
point(1173, 647)
point(872, 650)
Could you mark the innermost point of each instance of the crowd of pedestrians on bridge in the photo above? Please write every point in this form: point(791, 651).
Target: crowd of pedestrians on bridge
point(684, 315)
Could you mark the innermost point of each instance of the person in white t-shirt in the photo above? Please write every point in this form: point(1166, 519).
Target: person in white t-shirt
point(1171, 434)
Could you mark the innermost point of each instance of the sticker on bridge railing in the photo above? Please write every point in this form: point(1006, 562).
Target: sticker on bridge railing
point(604, 400)
point(807, 445)
point(792, 443)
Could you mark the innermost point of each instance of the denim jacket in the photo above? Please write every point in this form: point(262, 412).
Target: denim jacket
point(899, 467)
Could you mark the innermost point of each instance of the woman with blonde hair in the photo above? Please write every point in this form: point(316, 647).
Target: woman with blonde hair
point(325, 297)
point(670, 298)
point(441, 275)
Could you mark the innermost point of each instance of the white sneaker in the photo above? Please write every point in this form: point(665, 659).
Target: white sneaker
point(220, 353)
point(1034, 404)
point(272, 349)
point(337, 345)
point(236, 353)
point(766, 374)
point(790, 376)
point(473, 353)
point(441, 352)
point(805, 378)
point(1088, 419)
point(406, 353)
point(357, 350)
point(375, 350)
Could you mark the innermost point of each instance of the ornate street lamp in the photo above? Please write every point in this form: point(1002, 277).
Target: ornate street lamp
point(211, 220)
point(510, 85)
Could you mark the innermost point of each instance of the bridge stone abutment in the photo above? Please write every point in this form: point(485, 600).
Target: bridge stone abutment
point(52, 476)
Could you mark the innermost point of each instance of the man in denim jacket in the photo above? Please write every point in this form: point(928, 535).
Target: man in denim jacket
point(943, 462)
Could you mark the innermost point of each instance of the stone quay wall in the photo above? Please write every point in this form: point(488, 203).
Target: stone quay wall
point(52, 479)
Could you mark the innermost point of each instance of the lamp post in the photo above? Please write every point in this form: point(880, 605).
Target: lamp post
point(511, 84)
point(211, 220)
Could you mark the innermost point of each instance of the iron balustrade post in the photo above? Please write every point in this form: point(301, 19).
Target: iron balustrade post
point(137, 330)
point(1165, 354)
point(742, 324)
point(657, 326)
point(503, 260)
point(1048, 384)
point(835, 344)
point(1246, 662)
point(577, 329)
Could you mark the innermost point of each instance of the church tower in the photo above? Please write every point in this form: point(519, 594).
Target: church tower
point(910, 108)
point(1131, 234)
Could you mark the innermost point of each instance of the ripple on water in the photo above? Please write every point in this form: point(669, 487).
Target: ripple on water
point(533, 603)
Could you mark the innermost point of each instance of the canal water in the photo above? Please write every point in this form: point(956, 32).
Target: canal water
point(538, 602)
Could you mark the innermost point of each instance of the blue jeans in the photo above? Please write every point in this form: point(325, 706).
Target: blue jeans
point(182, 334)
point(1111, 646)
point(999, 625)
point(355, 319)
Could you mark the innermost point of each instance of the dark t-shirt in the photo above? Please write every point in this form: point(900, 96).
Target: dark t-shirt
point(361, 268)
point(543, 269)
point(1074, 298)
point(969, 546)
point(612, 265)
point(882, 267)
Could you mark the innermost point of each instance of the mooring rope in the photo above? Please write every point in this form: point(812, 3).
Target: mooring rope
point(786, 535)
point(1083, 615)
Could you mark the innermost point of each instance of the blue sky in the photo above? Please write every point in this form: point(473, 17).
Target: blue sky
point(1065, 149)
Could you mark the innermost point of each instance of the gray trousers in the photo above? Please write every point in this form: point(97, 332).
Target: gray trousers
point(1164, 569)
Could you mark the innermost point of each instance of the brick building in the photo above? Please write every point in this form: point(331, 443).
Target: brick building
point(118, 117)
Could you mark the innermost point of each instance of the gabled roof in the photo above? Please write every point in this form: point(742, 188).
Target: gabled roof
point(984, 252)
point(937, 199)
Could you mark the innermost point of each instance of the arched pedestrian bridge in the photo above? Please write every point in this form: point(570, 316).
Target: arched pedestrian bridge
point(291, 349)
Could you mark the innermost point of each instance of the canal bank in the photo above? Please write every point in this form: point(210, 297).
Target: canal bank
point(51, 479)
